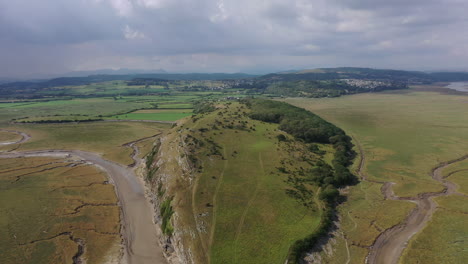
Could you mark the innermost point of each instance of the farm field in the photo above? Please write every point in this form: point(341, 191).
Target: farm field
point(53, 210)
point(155, 115)
point(403, 136)
point(80, 109)
point(91, 107)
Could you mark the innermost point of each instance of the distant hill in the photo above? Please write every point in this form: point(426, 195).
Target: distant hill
point(332, 82)
point(409, 77)
point(122, 71)
point(32, 87)
point(321, 82)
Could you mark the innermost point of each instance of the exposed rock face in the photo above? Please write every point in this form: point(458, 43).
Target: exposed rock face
point(169, 176)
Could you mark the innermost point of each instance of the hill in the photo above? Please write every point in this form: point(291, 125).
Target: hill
point(35, 89)
point(323, 82)
point(231, 187)
point(333, 82)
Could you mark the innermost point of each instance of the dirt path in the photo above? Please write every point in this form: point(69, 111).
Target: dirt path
point(389, 245)
point(249, 204)
point(24, 137)
point(215, 197)
point(139, 232)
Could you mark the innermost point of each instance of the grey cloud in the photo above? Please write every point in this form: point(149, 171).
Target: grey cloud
point(234, 35)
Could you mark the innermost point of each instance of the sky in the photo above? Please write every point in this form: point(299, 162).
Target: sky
point(254, 36)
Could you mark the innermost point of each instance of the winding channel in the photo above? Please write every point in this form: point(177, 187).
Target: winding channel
point(390, 244)
point(139, 233)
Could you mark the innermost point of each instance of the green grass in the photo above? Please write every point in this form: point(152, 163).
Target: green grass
point(443, 240)
point(155, 115)
point(459, 175)
point(175, 106)
point(93, 107)
point(40, 205)
point(252, 220)
point(404, 135)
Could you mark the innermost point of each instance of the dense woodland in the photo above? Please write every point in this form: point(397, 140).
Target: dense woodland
point(311, 128)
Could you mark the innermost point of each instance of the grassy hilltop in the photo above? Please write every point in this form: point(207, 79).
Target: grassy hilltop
point(242, 190)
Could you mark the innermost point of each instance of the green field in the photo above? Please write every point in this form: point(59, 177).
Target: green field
point(175, 106)
point(403, 135)
point(46, 207)
point(155, 115)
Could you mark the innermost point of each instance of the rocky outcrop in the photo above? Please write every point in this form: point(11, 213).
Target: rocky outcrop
point(169, 174)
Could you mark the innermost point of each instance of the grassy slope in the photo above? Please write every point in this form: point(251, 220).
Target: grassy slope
point(403, 137)
point(30, 210)
point(252, 219)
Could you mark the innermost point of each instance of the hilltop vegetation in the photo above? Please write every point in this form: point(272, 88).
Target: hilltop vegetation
point(261, 192)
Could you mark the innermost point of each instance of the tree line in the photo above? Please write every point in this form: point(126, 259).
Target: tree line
point(310, 128)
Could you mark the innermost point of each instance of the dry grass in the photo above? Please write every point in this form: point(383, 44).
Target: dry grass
point(403, 135)
point(50, 204)
point(443, 240)
point(458, 174)
point(105, 138)
point(8, 136)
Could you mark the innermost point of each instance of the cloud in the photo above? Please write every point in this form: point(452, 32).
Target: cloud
point(130, 33)
point(231, 35)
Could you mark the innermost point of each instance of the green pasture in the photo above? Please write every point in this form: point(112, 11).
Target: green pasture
point(155, 115)
point(252, 219)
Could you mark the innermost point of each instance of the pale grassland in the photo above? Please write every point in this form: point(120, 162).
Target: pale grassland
point(403, 135)
point(105, 138)
point(41, 210)
point(443, 240)
point(458, 174)
point(9, 137)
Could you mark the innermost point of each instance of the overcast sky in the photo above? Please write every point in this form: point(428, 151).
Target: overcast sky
point(57, 36)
